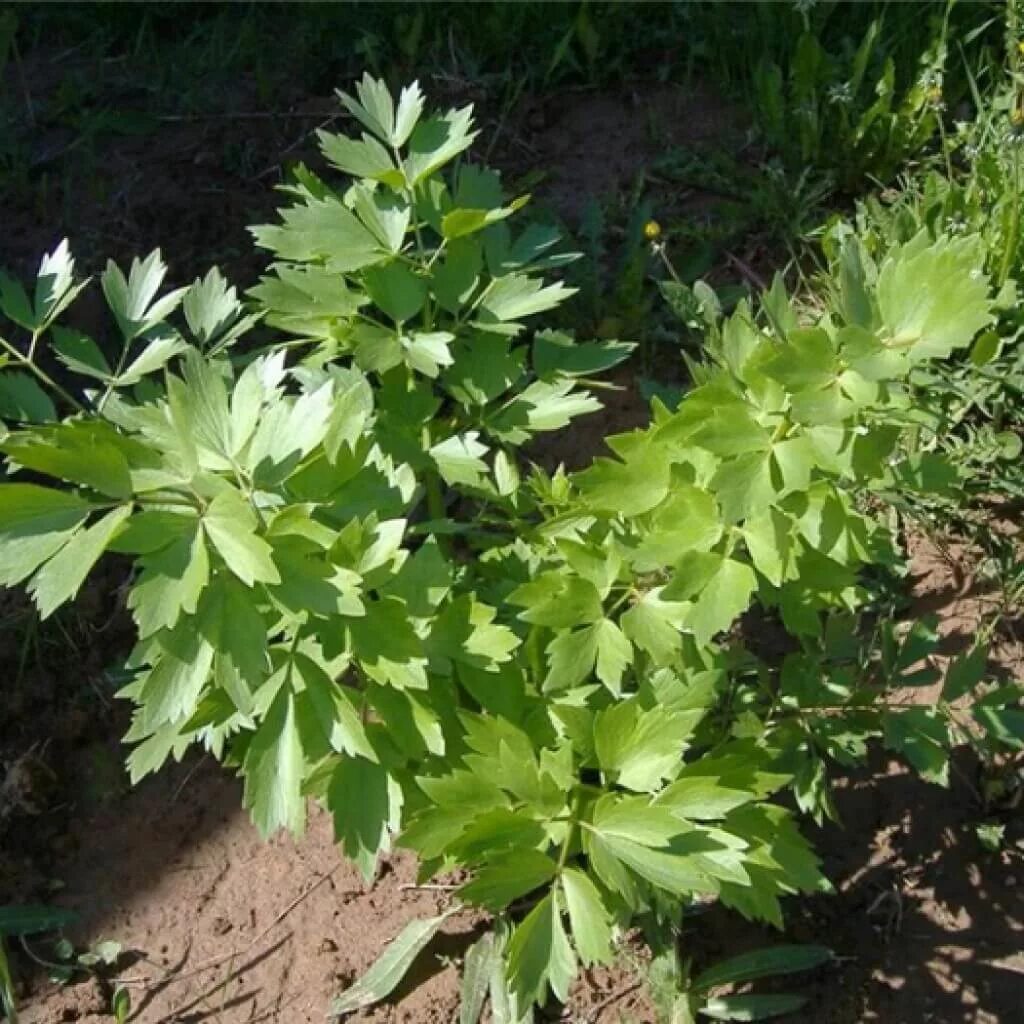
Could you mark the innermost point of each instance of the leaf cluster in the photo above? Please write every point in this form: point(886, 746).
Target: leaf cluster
point(350, 583)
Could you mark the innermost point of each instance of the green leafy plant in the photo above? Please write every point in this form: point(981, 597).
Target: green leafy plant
point(845, 111)
point(350, 584)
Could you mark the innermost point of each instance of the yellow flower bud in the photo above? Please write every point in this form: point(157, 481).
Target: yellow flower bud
point(652, 230)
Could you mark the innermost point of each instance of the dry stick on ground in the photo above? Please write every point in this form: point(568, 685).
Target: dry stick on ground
point(747, 271)
point(615, 996)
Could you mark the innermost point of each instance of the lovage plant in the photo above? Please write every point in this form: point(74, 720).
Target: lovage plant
point(350, 585)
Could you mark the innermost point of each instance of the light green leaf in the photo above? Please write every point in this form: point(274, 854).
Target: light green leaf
point(642, 747)
point(631, 487)
point(436, 141)
point(588, 918)
point(762, 963)
point(481, 960)
point(933, 299)
point(515, 296)
point(505, 876)
point(133, 300)
point(362, 158)
point(391, 966)
point(154, 356)
point(274, 768)
point(459, 459)
point(366, 805)
point(62, 576)
point(702, 798)
point(559, 601)
point(171, 581)
point(322, 229)
point(719, 587)
point(751, 1007)
point(614, 654)
point(396, 290)
point(230, 523)
point(654, 626)
point(539, 955)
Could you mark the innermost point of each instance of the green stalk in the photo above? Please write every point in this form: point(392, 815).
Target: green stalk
point(1010, 245)
point(563, 854)
point(40, 374)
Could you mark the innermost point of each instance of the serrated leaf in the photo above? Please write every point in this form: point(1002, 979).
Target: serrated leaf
point(459, 459)
point(720, 589)
point(558, 601)
point(436, 141)
point(933, 299)
point(133, 300)
point(506, 876)
point(366, 805)
point(23, 400)
point(557, 353)
point(80, 353)
point(588, 918)
point(515, 296)
point(614, 654)
point(35, 523)
point(274, 768)
point(172, 579)
point(642, 747)
point(74, 453)
point(230, 523)
point(655, 626)
point(539, 955)
point(703, 798)
point(396, 290)
point(631, 487)
point(362, 158)
point(153, 357)
point(322, 229)
point(62, 576)
point(922, 735)
point(15, 303)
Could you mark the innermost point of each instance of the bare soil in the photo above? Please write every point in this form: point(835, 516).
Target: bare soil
point(219, 926)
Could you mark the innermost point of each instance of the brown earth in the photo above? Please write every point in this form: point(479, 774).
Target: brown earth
point(221, 927)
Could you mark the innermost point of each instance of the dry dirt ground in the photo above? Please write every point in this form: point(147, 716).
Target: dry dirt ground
point(221, 927)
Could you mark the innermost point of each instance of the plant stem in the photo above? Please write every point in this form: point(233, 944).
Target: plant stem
point(41, 374)
point(563, 854)
point(1010, 243)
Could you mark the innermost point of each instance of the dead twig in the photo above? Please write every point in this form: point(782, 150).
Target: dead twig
point(608, 1000)
point(747, 271)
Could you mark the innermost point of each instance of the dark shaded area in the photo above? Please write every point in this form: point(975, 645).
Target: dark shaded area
point(925, 922)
